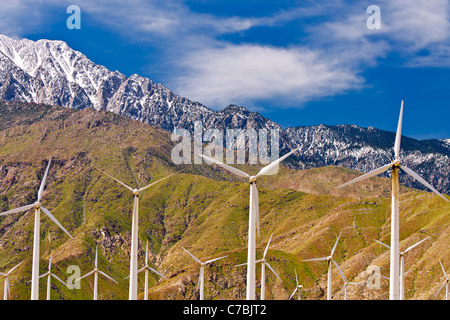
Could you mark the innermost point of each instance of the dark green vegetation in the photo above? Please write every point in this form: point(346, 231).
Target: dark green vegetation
point(203, 209)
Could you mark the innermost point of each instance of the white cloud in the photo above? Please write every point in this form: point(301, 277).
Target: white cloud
point(243, 74)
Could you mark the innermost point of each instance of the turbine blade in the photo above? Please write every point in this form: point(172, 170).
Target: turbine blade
point(139, 271)
point(335, 245)
point(50, 260)
point(158, 273)
point(153, 183)
point(242, 264)
point(17, 265)
point(193, 257)
point(367, 175)
point(318, 259)
point(421, 180)
point(86, 275)
point(20, 209)
point(342, 290)
point(442, 285)
point(398, 135)
point(271, 269)
point(340, 271)
point(227, 167)
point(55, 221)
point(290, 297)
point(383, 244)
point(200, 276)
point(54, 276)
point(42, 186)
point(415, 245)
point(443, 270)
point(146, 253)
point(43, 275)
point(129, 188)
point(105, 275)
point(255, 205)
point(267, 169)
point(267, 247)
point(296, 278)
point(212, 260)
point(96, 256)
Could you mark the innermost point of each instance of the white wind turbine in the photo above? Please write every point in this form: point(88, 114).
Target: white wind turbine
point(263, 269)
point(402, 265)
point(6, 291)
point(49, 274)
point(146, 268)
point(445, 283)
point(328, 259)
point(201, 276)
point(132, 295)
point(346, 282)
point(253, 217)
point(298, 287)
point(37, 219)
point(96, 272)
point(394, 292)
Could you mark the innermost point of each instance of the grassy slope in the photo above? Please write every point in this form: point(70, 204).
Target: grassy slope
point(202, 209)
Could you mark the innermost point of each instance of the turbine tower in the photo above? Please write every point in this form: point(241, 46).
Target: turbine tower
point(328, 259)
point(201, 277)
point(6, 291)
point(402, 265)
point(146, 268)
point(253, 217)
point(37, 219)
point(263, 270)
point(394, 291)
point(96, 272)
point(445, 283)
point(132, 295)
point(298, 287)
point(49, 275)
point(346, 282)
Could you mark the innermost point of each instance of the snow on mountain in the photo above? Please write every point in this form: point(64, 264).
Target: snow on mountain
point(51, 72)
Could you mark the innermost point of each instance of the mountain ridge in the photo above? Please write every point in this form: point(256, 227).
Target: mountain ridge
point(49, 71)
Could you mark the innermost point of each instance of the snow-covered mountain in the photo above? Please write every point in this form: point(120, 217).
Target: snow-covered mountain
point(51, 72)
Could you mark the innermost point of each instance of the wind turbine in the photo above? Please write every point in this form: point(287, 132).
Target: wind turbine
point(49, 274)
point(253, 217)
point(445, 283)
point(263, 270)
point(6, 291)
point(298, 287)
point(346, 282)
point(402, 265)
point(328, 259)
point(96, 272)
point(146, 268)
point(201, 277)
point(394, 292)
point(37, 219)
point(134, 233)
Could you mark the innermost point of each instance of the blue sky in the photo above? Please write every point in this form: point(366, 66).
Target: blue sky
point(295, 62)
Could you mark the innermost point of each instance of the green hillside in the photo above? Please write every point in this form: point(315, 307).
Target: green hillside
point(203, 209)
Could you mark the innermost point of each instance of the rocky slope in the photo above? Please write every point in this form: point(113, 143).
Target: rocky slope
point(203, 209)
point(51, 72)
